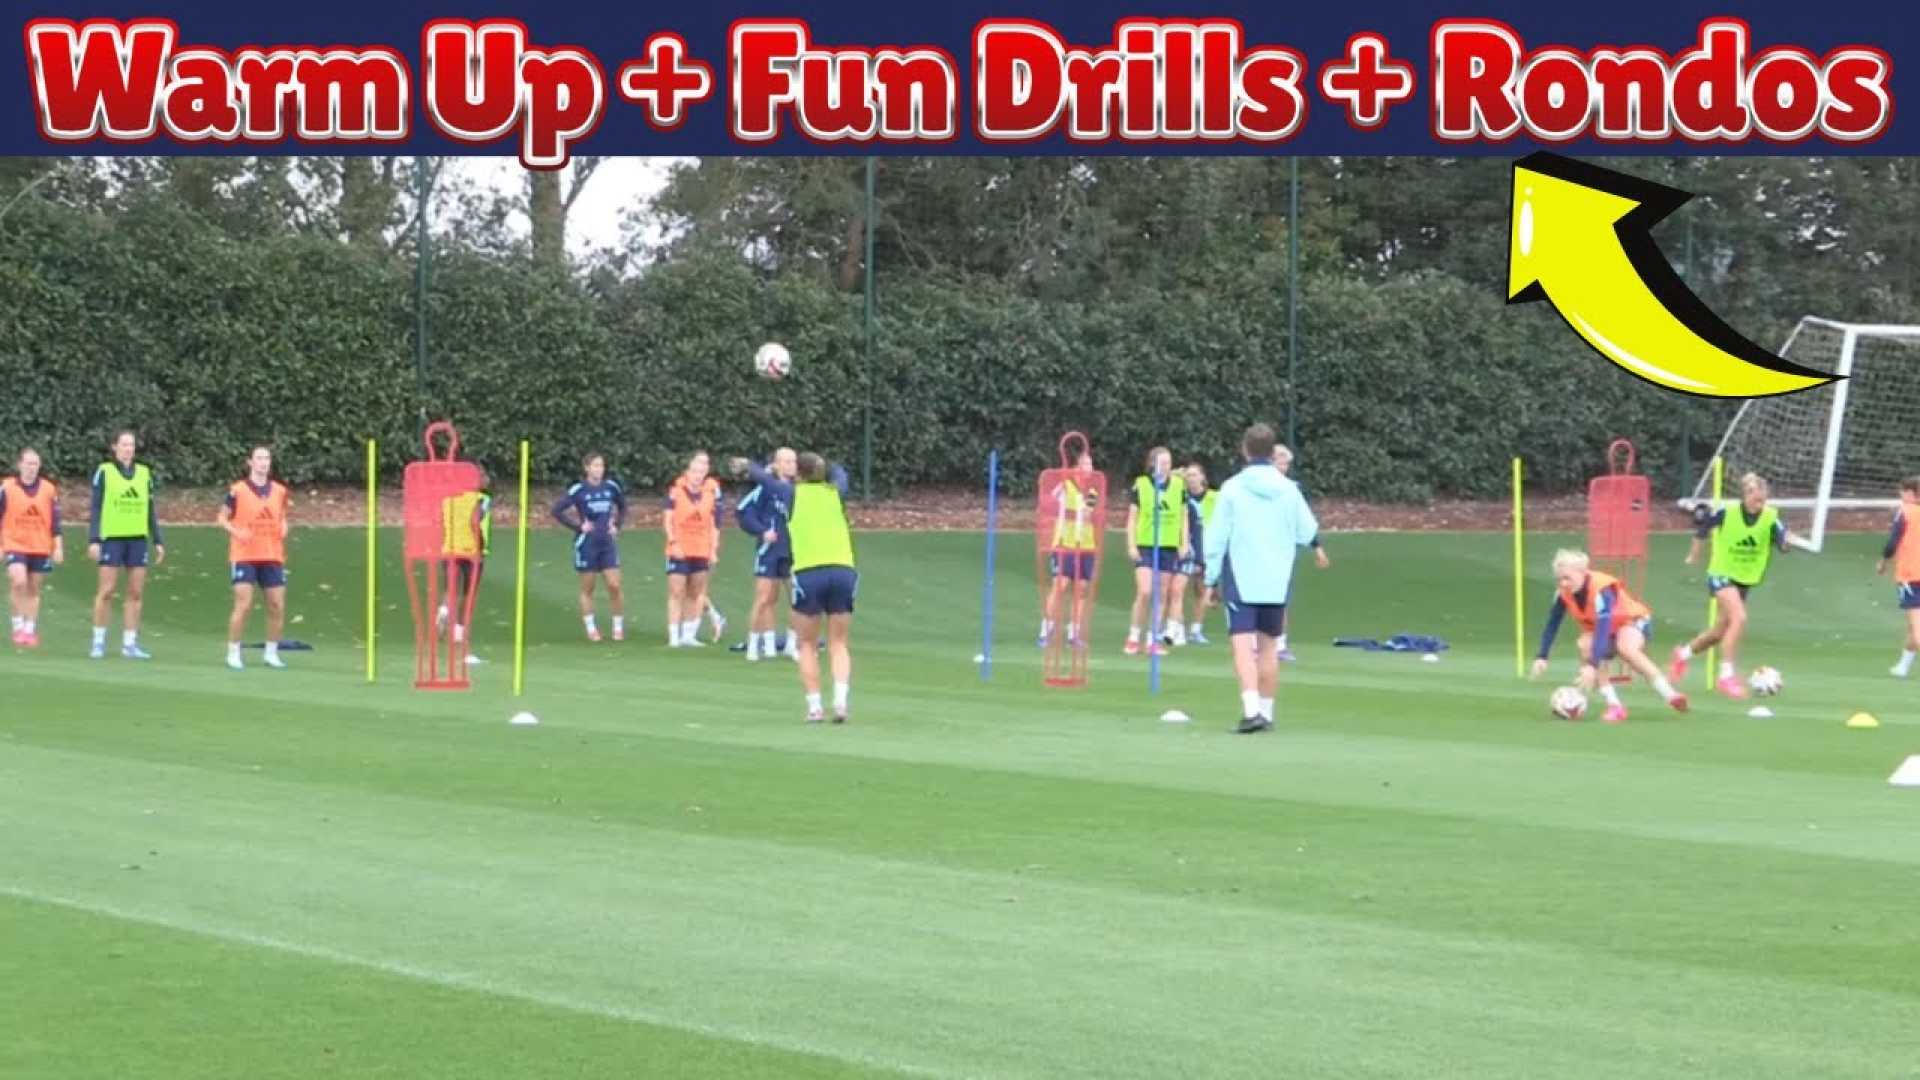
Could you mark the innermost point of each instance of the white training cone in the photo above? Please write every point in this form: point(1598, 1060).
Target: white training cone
point(1908, 774)
point(525, 719)
point(1760, 712)
point(1175, 716)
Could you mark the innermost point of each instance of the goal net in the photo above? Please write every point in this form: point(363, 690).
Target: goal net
point(1837, 449)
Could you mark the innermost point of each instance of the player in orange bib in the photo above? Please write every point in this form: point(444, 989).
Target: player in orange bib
point(1611, 621)
point(694, 505)
point(29, 543)
point(254, 516)
point(1903, 554)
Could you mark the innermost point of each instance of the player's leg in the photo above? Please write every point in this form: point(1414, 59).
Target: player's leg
point(107, 583)
point(1268, 671)
point(760, 617)
point(237, 619)
point(1630, 642)
point(276, 597)
point(1732, 625)
point(692, 606)
point(1910, 605)
point(133, 604)
point(1057, 585)
point(18, 600)
point(616, 599)
point(1163, 631)
point(1142, 599)
point(676, 603)
point(840, 658)
point(587, 578)
point(1684, 653)
point(1175, 622)
point(806, 629)
point(36, 594)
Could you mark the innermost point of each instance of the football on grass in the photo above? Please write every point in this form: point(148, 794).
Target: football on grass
point(1568, 703)
point(1765, 681)
point(772, 361)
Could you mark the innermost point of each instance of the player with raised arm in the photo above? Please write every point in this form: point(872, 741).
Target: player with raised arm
point(1612, 621)
point(122, 524)
point(595, 509)
point(694, 509)
point(30, 544)
point(1259, 523)
point(1903, 554)
point(1744, 536)
point(1071, 557)
point(1156, 514)
point(254, 517)
point(825, 581)
point(762, 514)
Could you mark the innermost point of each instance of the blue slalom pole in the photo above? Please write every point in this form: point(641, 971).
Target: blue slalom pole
point(1153, 627)
point(993, 535)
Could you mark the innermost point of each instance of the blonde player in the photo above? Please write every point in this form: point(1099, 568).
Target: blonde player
point(1612, 621)
point(1744, 537)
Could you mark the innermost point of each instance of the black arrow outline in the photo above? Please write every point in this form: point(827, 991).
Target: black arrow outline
point(1655, 202)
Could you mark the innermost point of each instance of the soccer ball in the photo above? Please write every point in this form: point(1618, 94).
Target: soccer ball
point(1765, 681)
point(772, 361)
point(1568, 703)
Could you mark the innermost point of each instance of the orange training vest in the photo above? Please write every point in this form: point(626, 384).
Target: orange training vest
point(1906, 561)
point(265, 518)
point(28, 528)
point(693, 530)
point(1625, 611)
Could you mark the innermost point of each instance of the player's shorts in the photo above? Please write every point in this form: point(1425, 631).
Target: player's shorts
point(825, 590)
point(1715, 584)
point(595, 554)
point(684, 567)
point(1167, 559)
point(266, 575)
point(131, 554)
point(773, 567)
point(471, 573)
point(1072, 565)
point(1193, 567)
point(35, 564)
point(1245, 618)
point(1910, 596)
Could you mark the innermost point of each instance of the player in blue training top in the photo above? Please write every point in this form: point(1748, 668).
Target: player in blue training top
point(762, 514)
point(596, 510)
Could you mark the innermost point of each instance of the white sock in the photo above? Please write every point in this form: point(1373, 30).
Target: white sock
point(1726, 669)
point(29, 625)
point(1194, 630)
point(1266, 708)
point(20, 624)
point(99, 636)
point(1664, 688)
point(813, 703)
point(273, 650)
point(673, 633)
point(233, 650)
point(129, 638)
point(444, 613)
point(793, 642)
point(840, 692)
point(1684, 652)
point(619, 624)
point(690, 629)
point(1609, 694)
point(1133, 635)
point(587, 621)
point(459, 633)
point(1282, 643)
point(1250, 703)
point(1906, 660)
point(1046, 628)
point(753, 645)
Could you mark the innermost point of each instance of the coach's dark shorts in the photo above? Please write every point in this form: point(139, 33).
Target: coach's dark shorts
point(1910, 596)
point(1715, 584)
point(131, 554)
point(1245, 618)
point(1072, 565)
point(773, 567)
point(266, 575)
point(684, 567)
point(825, 590)
point(595, 554)
point(35, 564)
point(1165, 559)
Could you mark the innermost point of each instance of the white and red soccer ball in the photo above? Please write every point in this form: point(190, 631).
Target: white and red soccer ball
point(772, 361)
point(1765, 681)
point(1568, 703)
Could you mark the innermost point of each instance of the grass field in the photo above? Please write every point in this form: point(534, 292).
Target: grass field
point(267, 874)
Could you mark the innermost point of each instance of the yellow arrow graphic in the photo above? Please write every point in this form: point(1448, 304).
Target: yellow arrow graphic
point(1582, 240)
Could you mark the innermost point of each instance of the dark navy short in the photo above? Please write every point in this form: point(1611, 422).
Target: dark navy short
point(1193, 567)
point(1910, 596)
point(773, 567)
point(1072, 565)
point(1715, 584)
point(35, 564)
point(131, 554)
point(684, 567)
point(1166, 559)
point(266, 575)
point(825, 590)
point(1244, 618)
point(594, 553)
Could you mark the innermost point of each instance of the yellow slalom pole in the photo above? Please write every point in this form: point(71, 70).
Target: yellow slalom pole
point(520, 588)
point(373, 555)
point(1713, 602)
point(1519, 576)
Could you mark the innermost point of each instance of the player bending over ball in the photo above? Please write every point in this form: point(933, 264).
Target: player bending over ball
point(1283, 460)
point(29, 543)
point(824, 579)
point(254, 515)
point(123, 522)
point(694, 508)
point(1192, 571)
point(467, 528)
point(1611, 622)
point(762, 514)
point(1258, 523)
point(1071, 556)
point(1156, 541)
point(1744, 538)
point(1903, 553)
point(596, 510)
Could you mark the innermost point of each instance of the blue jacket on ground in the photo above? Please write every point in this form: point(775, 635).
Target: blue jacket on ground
point(1259, 523)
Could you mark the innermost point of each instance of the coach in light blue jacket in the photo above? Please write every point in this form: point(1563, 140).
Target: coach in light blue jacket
point(1259, 524)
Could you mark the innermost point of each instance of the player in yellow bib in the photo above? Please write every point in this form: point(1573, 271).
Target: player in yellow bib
point(1072, 554)
point(467, 527)
point(1744, 537)
point(124, 522)
point(1157, 540)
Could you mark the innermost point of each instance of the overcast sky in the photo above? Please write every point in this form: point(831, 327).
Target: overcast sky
point(620, 184)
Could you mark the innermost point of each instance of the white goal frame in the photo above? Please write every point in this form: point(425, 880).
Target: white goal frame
point(1822, 501)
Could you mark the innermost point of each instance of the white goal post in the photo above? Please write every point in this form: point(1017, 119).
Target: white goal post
point(1844, 446)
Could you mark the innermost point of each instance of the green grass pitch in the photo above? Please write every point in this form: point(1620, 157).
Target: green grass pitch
point(293, 874)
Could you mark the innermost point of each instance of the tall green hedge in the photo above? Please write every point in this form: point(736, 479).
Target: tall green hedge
point(155, 320)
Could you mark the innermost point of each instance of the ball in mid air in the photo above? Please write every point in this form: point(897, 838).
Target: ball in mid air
point(772, 361)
